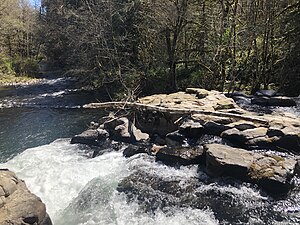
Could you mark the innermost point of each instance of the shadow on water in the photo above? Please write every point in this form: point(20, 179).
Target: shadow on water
point(23, 128)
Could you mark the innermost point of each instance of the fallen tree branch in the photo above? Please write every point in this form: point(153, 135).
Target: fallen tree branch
point(135, 105)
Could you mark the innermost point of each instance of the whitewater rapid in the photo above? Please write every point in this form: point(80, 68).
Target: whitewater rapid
point(78, 189)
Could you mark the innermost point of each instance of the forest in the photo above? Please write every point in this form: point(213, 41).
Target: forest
point(132, 48)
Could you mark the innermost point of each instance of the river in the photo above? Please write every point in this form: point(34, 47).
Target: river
point(36, 124)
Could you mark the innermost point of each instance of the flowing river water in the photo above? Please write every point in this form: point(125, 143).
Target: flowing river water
point(36, 123)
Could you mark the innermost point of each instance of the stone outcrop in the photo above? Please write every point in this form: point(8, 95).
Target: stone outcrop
point(181, 119)
point(18, 206)
point(193, 98)
point(271, 172)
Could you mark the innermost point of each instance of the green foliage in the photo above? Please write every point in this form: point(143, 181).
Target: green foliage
point(6, 65)
point(142, 47)
point(25, 67)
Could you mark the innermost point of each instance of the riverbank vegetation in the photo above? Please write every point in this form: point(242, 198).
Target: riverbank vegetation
point(138, 47)
point(19, 44)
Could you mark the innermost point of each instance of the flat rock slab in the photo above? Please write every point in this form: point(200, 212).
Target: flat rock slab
point(271, 172)
point(193, 98)
point(262, 137)
point(18, 206)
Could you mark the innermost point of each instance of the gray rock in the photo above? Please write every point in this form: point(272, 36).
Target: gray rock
point(19, 206)
point(261, 100)
point(274, 132)
point(243, 125)
point(235, 136)
point(191, 129)
point(290, 142)
point(242, 99)
point(214, 128)
point(181, 155)
point(175, 139)
point(132, 150)
point(156, 122)
point(289, 139)
point(245, 137)
point(121, 129)
point(297, 168)
point(271, 172)
point(274, 101)
point(156, 139)
point(90, 137)
point(282, 101)
point(152, 191)
point(266, 93)
point(222, 160)
point(241, 94)
point(138, 134)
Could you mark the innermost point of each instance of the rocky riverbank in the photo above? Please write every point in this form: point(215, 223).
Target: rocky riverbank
point(18, 205)
point(173, 128)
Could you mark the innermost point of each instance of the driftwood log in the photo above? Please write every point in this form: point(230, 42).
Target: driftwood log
point(140, 106)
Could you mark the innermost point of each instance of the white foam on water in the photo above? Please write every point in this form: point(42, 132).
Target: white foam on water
point(80, 190)
point(57, 172)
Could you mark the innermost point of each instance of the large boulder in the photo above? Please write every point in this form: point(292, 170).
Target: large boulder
point(256, 137)
point(181, 155)
point(222, 160)
point(271, 172)
point(18, 206)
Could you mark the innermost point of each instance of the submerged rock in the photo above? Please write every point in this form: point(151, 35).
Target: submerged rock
point(274, 101)
point(271, 172)
point(153, 191)
point(18, 206)
point(181, 155)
